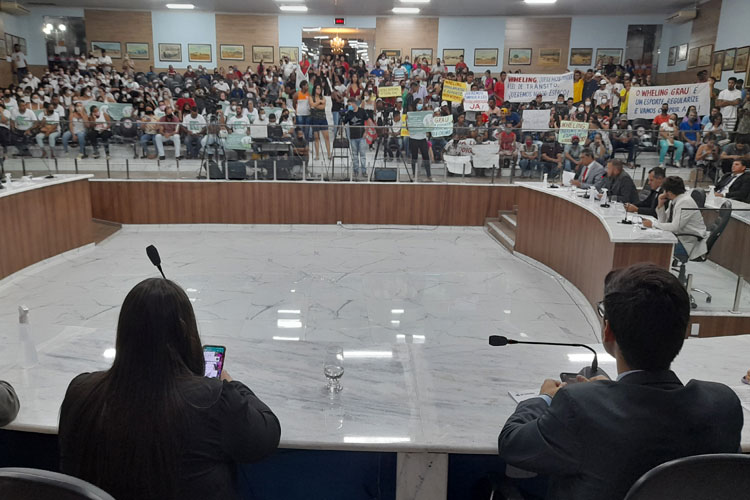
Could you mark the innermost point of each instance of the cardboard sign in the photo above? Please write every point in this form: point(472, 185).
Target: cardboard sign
point(568, 129)
point(453, 91)
point(394, 91)
point(476, 101)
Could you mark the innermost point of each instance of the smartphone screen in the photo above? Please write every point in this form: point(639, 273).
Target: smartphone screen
point(568, 378)
point(213, 356)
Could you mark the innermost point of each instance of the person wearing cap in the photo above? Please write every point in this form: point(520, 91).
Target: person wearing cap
point(603, 96)
point(622, 138)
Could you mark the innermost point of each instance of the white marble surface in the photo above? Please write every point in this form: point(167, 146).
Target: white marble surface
point(740, 210)
point(438, 389)
point(21, 185)
point(609, 217)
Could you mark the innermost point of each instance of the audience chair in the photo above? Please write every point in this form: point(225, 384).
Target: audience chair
point(37, 484)
point(126, 132)
point(700, 477)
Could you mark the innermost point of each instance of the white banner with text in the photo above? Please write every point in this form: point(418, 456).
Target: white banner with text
point(525, 88)
point(645, 102)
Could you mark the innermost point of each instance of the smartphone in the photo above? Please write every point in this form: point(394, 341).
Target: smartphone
point(213, 356)
point(568, 378)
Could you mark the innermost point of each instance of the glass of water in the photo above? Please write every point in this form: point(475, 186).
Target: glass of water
point(333, 368)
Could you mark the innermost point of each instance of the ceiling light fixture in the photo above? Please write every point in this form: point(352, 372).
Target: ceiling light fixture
point(405, 10)
point(540, 2)
point(180, 6)
point(293, 8)
point(414, 1)
point(311, 29)
point(337, 45)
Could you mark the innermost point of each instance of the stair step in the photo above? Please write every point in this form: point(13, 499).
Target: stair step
point(499, 232)
point(509, 219)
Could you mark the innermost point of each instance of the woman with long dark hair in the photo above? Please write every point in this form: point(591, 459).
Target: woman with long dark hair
point(152, 426)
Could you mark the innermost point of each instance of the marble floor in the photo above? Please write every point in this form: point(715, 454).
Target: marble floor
point(361, 285)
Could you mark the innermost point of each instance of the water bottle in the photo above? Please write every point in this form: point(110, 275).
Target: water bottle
point(592, 195)
point(711, 197)
point(545, 185)
point(29, 357)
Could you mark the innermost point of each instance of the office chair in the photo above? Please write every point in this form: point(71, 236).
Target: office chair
point(701, 477)
point(21, 484)
point(714, 231)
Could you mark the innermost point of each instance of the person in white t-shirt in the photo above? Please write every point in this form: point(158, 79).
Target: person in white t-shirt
point(5, 119)
point(49, 129)
point(728, 102)
point(18, 59)
point(22, 126)
point(193, 126)
point(603, 95)
point(105, 62)
point(667, 133)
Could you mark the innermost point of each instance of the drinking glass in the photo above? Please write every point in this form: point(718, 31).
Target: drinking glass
point(333, 368)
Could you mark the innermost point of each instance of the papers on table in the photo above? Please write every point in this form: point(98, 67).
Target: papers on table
point(567, 177)
point(519, 396)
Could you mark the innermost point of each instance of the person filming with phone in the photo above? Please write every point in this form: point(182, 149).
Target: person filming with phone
point(153, 426)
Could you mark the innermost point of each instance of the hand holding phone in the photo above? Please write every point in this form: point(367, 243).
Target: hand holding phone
point(213, 356)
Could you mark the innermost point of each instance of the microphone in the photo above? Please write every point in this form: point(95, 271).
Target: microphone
point(153, 255)
point(588, 371)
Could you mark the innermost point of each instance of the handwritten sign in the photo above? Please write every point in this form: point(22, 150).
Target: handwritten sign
point(569, 129)
point(394, 91)
point(476, 101)
point(525, 88)
point(536, 119)
point(454, 91)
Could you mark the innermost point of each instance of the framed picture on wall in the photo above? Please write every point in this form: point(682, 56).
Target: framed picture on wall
point(137, 50)
point(9, 43)
point(729, 55)
point(581, 57)
point(451, 56)
point(692, 58)
point(3, 50)
point(394, 53)
point(603, 55)
point(114, 49)
point(516, 57)
point(550, 57)
point(291, 52)
point(419, 54)
point(747, 77)
point(170, 52)
point(262, 53)
point(704, 55)
point(232, 52)
point(717, 64)
point(199, 52)
point(672, 60)
point(740, 60)
point(14, 41)
point(22, 45)
point(682, 52)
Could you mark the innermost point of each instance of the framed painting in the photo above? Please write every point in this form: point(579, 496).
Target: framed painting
point(291, 52)
point(550, 57)
point(170, 52)
point(394, 53)
point(419, 54)
point(114, 49)
point(22, 45)
point(603, 55)
point(672, 60)
point(740, 59)
point(692, 58)
point(9, 43)
point(516, 57)
point(729, 56)
point(717, 64)
point(199, 52)
point(232, 52)
point(451, 56)
point(137, 50)
point(682, 52)
point(581, 57)
point(263, 54)
point(704, 55)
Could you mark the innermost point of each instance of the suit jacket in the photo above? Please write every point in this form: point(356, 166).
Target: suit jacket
point(739, 190)
point(621, 186)
point(689, 224)
point(8, 403)
point(594, 175)
point(648, 205)
point(597, 438)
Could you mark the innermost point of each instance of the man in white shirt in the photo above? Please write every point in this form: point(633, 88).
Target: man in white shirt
point(18, 59)
point(193, 126)
point(614, 89)
point(22, 125)
point(603, 95)
point(221, 86)
point(251, 113)
point(49, 129)
point(5, 119)
point(728, 102)
point(105, 62)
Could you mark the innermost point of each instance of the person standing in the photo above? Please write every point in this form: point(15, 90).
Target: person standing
point(20, 66)
point(728, 102)
point(356, 117)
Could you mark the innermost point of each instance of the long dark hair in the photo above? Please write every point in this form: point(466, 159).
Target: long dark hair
point(134, 418)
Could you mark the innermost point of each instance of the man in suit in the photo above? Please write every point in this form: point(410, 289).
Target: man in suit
point(647, 206)
point(619, 183)
point(736, 184)
point(595, 438)
point(590, 173)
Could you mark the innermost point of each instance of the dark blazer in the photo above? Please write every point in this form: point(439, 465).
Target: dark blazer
point(740, 190)
point(621, 186)
point(596, 439)
point(648, 205)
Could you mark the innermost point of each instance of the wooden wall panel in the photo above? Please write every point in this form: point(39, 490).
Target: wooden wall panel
point(538, 33)
point(136, 202)
point(733, 246)
point(121, 26)
point(42, 223)
point(703, 32)
point(406, 33)
point(6, 74)
point(247, 30)
point(720, 326)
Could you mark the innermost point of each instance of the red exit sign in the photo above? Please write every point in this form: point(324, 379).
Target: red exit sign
point(338, 20)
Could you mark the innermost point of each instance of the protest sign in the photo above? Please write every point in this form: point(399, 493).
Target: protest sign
point(525, 88)
point(476, 101)
point(568, 129)
point(453, 91)
point(394, 91)
point(116, 111)
point(645, 102)
point(536, 119)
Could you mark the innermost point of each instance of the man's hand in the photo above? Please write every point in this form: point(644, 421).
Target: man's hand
point(719, 195)
point(575, 183)
point(550, 387)
point(581, 378)
point(647, 223)
point(662, 199)
point(631, 208)
point(225, 376)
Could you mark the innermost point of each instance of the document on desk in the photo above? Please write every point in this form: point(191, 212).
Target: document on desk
point(519, 396)
point(567, 177)
point(743, 392)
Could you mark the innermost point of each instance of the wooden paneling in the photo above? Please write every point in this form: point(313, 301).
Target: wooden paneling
point(236, 29)
point(406, 33)
point(121, 26)
point(720, 326)
point(42, 223)
point(537, 33)
point(733, 246)
point(6, 74)
point(703, 32)
point(136, 202)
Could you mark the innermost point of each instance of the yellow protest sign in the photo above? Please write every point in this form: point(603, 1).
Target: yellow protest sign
point(394, 91)
point(453, 91)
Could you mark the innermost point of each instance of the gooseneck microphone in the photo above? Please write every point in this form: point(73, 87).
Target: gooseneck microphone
point(588, 371)
point(153, 255)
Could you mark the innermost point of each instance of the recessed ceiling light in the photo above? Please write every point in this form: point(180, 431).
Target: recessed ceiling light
point(405, 10)
point(414, 1)
point(311, 29)
point(180, 6)
point(293, 8)
point(540, 1)
point(291, 1)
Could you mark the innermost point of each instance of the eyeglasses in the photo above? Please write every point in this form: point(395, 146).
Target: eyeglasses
point(600, 309)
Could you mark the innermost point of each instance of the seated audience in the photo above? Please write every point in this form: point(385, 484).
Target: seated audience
point(99, 130)
point(152, 426)
point(622, 138)
point(667, 138)
point(595, 438)
point(168, 132)
point(689, 134)
point(736, 184)
point(529, 157)
point(193, 127)
point(647, 206)
point(551, 156)
point(735, 151)
point(8, 403)
point(618, 183)
point(572, 154)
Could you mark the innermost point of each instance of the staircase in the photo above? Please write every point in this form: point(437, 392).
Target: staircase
point(503, 228)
